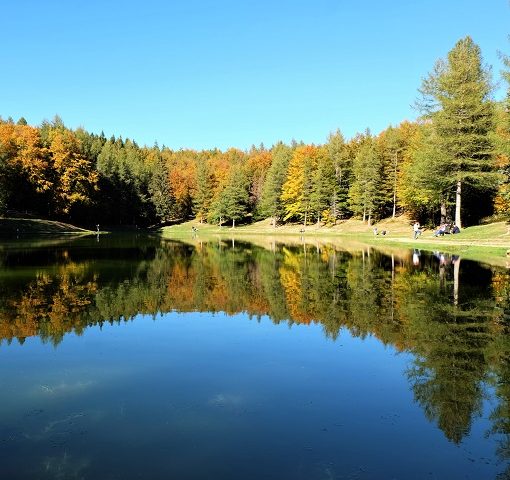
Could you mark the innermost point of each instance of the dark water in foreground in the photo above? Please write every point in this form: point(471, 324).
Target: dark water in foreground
point(135, 358)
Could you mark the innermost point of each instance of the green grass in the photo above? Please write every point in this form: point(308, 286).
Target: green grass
point(485, 243)
point(13, 227)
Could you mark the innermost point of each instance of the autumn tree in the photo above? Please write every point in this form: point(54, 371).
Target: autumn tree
point(298, 187)
point(502, 141)
point(204, 187)
point(74, 179)
point(258, 163)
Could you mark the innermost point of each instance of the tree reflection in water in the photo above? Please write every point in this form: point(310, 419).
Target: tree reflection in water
point(452, 315)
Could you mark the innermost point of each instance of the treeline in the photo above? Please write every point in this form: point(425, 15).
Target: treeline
point(453, 161)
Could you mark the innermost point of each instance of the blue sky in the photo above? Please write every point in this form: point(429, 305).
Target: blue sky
point(204, 74)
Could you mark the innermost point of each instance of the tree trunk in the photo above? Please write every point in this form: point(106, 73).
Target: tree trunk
point(306, 213)
point(233, 223)
point(395, 186)
point(274, 222)
point(443, 210)
point(458, 203)
point(364, 214)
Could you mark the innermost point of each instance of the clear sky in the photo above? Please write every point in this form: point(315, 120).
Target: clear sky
point(203, 74)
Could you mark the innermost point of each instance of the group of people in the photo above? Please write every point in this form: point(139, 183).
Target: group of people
point(444, 228)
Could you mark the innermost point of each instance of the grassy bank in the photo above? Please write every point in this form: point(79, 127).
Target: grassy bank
point(486, 243)
point(13, 227)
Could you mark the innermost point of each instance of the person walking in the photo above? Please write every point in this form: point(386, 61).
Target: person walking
point(416, 230)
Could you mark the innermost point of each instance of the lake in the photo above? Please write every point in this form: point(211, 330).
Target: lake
point(130, 357)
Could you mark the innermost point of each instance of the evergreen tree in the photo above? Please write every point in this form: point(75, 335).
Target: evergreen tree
point(324, 189)
point(232, 202)
point(270, 203)
point(342, 163)
point(364, 191)
point(159, 189)
point(456, 96)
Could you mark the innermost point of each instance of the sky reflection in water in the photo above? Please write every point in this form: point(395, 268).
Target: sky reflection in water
point(330, 364)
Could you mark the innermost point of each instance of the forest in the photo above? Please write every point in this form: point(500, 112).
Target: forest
point(435, 169)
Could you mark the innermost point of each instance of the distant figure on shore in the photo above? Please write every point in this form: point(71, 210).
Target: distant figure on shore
point(97, 228)
point(440, 231)
point(455, 229)
point(384, 232)
point(375, 231)
point(416, 230)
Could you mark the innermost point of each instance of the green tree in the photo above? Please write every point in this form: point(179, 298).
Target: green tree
point(270, 203)
point(159, 188)
point(456, 97)
point(232, 202)
point(342, 163)
point(324, 188)
point(365, 187)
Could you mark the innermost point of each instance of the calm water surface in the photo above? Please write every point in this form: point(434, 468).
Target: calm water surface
point(133, 357)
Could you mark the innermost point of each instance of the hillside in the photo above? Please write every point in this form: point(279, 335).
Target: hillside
point(10, 227)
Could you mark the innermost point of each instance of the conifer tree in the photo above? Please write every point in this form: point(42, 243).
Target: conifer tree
point(324, 188)
point(232, 202)
point(364, 191)
point(342, 164)
point(456, 97)
point(270, 202)
point(159, 188)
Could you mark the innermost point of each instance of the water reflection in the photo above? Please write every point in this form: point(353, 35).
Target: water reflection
point(451, 314)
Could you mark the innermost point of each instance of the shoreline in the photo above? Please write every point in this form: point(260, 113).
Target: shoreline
point(487, 243)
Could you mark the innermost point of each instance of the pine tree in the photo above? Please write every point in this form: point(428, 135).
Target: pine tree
point(324, 188)
point(364, 192)
point(456, 96)
point(232, 202)
point(270, 203)
point(159, 188)
point(342, 163)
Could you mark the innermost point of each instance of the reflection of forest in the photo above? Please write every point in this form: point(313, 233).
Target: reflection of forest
point(452, 315)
